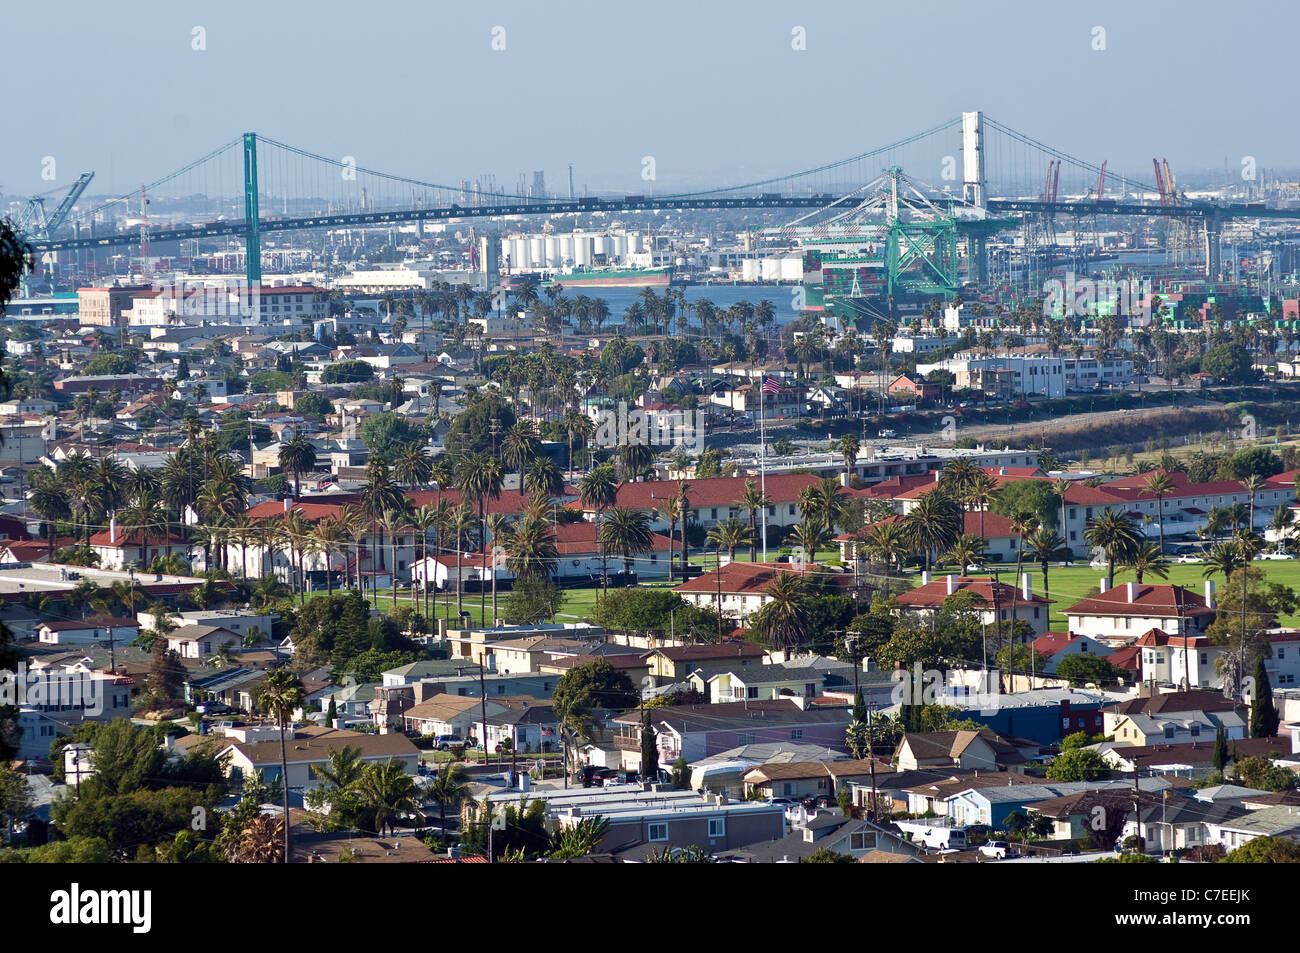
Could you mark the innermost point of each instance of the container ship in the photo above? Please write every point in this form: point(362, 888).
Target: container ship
point(615, 278)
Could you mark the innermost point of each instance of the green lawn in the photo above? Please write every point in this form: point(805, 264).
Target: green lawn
point(1071, 584)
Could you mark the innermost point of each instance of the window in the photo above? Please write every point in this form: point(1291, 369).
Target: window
point(796, 734)
point(1169, 731)
point(746, 740)
point(862, 840)
point(1196, 731)
point(717, 827)
point(658, 832)
point(751, 691)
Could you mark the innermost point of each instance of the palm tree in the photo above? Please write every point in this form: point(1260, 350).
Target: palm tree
point(520, 446)
point(849, 448)
point(1146, 558)
point(480, 479)
point(887, 542)
point(1282, 525)
point(577, 424)
point(578, 840)
point(979, 495)
point(1159, 484)
point(672, 510)
point(783, 620)
point(461, 526)
point(731, 535)
point(1116, 535)
point(329, 534)
point(542, 478)
point(424, 519)
point(385, 790)
point(1044, 545)
point(966, 550)
point(626, 531)
point(281, 695)
point(448, 787)
point(413, 467)
point(683, 498)
point(394, 522)
point(297, 456)
point(531, 550)
point(933, 524)
point(1062, 487)
point(499, 531)
point(810, 536)
point(598, 490)
point(753, 499)
point(1253, 484)
point(49, 499)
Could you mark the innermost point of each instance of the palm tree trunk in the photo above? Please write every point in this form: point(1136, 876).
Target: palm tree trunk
point(284, 788)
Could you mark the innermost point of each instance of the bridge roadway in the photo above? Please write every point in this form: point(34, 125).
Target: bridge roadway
point(633, 204)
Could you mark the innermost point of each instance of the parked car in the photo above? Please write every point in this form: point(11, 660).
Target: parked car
point(1275, 556)
point(446, 742)
point(1191, 558)
point(994, 848)
point(887, 434)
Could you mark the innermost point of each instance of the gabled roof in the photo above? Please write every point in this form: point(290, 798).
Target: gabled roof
point(746, 578)
point(933, 593)
point(709, 651)
point(1149, 600)
point(1190, 701)
point(713, 491)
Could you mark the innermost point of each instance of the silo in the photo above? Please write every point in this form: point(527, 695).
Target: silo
point(749, 270)
point(519, 259)
point(792, 269)
point(582, 245)
point(566, 248)
point(537, 251)
point(770, 269)
point(634, 243)
point(552, 247)
point(601, 245)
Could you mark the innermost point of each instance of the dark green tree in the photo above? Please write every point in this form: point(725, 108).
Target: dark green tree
point(649, 749)
point(1263, 714)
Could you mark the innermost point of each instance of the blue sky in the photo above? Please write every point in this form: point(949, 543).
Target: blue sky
point(713, 90)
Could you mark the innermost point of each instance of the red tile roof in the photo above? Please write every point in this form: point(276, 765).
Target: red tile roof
point(995, 527)
point(933, 593)
point(745, 578)
point(1125, 658)
point(1049, 643)
point(1149, 601)
point(713, 491)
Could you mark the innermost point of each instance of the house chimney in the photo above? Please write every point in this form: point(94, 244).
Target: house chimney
point(1132, 593)
point(1209, 594)
point(1026, 587)
point(952, 583)
point(112, 529)
point(1102, 587)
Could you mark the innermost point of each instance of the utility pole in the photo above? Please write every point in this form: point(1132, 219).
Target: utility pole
point(482, 700)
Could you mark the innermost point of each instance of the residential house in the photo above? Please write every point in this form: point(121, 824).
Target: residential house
point(312, 747)
point(1001, 603)
point(1119, 616)
point(677, 663)
point(739, 589)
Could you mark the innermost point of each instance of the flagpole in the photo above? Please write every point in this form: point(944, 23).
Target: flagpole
point(762, 456)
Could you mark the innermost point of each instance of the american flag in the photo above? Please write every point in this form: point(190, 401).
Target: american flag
point(771, 385)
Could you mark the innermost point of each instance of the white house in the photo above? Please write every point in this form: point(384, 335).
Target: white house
point(1120, 616)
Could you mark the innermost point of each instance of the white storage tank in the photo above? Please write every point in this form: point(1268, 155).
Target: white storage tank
point(750, 270)
point(582, 249)
point(792, 269)
point(552, 251)
point(537, 251)
point(519, 258)
point(566, 247)
point(618, 246)
point(770, 269)
point(634, 245)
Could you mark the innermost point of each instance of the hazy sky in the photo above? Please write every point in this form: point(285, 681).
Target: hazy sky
point(713, 90)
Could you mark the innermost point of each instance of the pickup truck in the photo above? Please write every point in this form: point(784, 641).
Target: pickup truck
point(994, 848)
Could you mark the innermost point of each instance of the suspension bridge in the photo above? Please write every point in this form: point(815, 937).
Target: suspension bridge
point(989, 177)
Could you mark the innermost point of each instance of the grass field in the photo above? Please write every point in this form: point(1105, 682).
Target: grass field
point(1068, 586)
